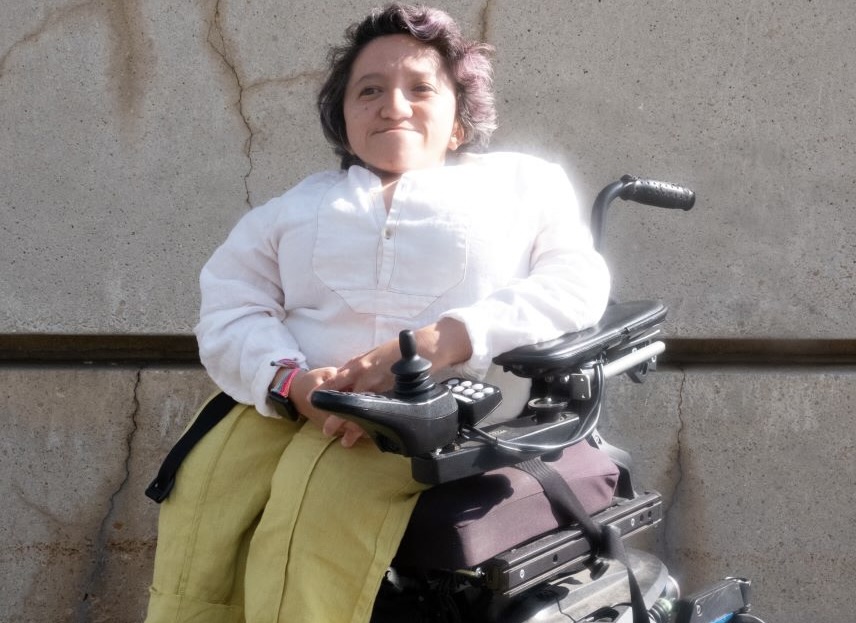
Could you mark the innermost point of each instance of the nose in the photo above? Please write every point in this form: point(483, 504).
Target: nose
point(396, 105)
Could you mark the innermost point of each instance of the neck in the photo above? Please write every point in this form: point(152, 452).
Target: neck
point(388, 187)
point(387, 178)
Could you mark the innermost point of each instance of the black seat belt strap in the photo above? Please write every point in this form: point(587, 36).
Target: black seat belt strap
point(215, 410)
point(605, 539)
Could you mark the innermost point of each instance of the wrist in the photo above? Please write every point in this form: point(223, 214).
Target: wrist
point(299, 391)
point(280, 389)
point(444, 343)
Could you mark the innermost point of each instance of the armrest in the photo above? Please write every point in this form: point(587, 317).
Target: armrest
point(620, 325)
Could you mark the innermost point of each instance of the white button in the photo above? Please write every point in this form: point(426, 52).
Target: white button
point(469, 391)
point(467, 384)
point(478, 386)
point(488, 390)
point(478, 396)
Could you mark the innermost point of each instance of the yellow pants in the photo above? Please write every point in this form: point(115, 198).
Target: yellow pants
point(271, 521)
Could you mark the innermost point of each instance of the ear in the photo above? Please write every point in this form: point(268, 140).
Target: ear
point(457, 138)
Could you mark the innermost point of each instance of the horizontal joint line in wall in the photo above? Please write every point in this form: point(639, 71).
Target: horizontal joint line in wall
point(182, 349)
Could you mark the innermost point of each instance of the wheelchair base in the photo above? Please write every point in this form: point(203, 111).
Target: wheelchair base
point(565, 551)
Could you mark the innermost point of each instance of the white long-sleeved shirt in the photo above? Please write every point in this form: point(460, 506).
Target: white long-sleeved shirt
point(323, 273)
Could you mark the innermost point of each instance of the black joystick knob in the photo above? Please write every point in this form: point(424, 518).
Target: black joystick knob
point(411, 371)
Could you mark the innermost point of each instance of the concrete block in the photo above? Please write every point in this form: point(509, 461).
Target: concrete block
point(64, 456)
point(766, 481)
point(644, 420)
point(167, 398)
point(746, 105)
point(756, 471)
point(136, 134)
point(754, 465)
point(123, 156)
point(79, 448)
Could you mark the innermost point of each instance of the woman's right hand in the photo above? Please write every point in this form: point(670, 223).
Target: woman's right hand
point(304, 383)
point(444, 343)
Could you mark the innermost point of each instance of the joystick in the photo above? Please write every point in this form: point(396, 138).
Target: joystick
point(411, 371)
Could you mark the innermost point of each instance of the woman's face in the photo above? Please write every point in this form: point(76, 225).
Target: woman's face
point(400, 108)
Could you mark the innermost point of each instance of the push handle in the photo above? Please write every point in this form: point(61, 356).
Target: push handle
point(657, 194)
point(631, 188)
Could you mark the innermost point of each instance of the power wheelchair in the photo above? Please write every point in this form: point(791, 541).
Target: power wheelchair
point(527, 517)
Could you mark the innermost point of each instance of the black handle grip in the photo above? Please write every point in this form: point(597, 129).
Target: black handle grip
point(658, 194)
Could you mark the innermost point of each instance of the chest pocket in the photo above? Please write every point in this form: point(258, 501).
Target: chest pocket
point(396, 264)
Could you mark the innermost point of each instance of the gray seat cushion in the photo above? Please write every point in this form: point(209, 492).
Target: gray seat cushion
point(463, 523)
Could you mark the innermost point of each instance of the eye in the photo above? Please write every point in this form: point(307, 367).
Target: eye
point(368, 91)
point(424, 87)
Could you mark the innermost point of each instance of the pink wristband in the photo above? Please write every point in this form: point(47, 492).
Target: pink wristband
point(285, 384)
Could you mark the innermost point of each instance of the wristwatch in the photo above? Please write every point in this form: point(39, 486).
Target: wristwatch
point(278, 394)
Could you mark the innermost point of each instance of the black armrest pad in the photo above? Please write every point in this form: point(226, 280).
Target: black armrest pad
point(620, 323)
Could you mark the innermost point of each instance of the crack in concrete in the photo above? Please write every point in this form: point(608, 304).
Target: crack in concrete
point(310, 75)
point(130, 56)
point(679, 445)
point(57, 16)
point(91, 586)
point(42, 510)
point(217, 41)
point(679, 465)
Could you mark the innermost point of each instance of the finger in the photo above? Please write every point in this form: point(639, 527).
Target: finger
point(332, 425)
point(349, 439)
point(365, 384)
point(352, 434)
point(373, 380)
point(331, 378)
point(339, 380)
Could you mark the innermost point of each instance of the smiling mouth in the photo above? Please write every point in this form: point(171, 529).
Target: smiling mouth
point(395, 129)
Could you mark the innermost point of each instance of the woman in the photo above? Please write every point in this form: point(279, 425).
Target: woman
point(270, 520)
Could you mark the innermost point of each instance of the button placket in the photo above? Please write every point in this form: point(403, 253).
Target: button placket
point(387, 238)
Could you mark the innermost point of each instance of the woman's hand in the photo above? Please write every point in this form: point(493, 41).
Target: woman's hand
point(444, 343)
point(366, 373)
point(302, 386)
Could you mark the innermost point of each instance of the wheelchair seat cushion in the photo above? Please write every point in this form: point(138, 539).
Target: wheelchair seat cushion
point(463, 523)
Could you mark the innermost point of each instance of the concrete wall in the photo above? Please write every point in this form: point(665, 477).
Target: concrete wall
point(133, 135)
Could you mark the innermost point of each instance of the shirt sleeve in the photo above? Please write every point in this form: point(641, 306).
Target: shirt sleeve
point(241, 327)
point(566, 290)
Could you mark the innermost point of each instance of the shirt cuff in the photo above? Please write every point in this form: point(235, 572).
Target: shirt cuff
point(479, 363)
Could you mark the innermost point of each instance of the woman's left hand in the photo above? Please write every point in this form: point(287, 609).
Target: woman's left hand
point(443, 343)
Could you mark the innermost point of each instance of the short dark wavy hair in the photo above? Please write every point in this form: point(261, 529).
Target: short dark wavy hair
point(468, 62)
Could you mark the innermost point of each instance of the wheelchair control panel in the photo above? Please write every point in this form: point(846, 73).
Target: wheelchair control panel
point(440, 425)
point(418, 416)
